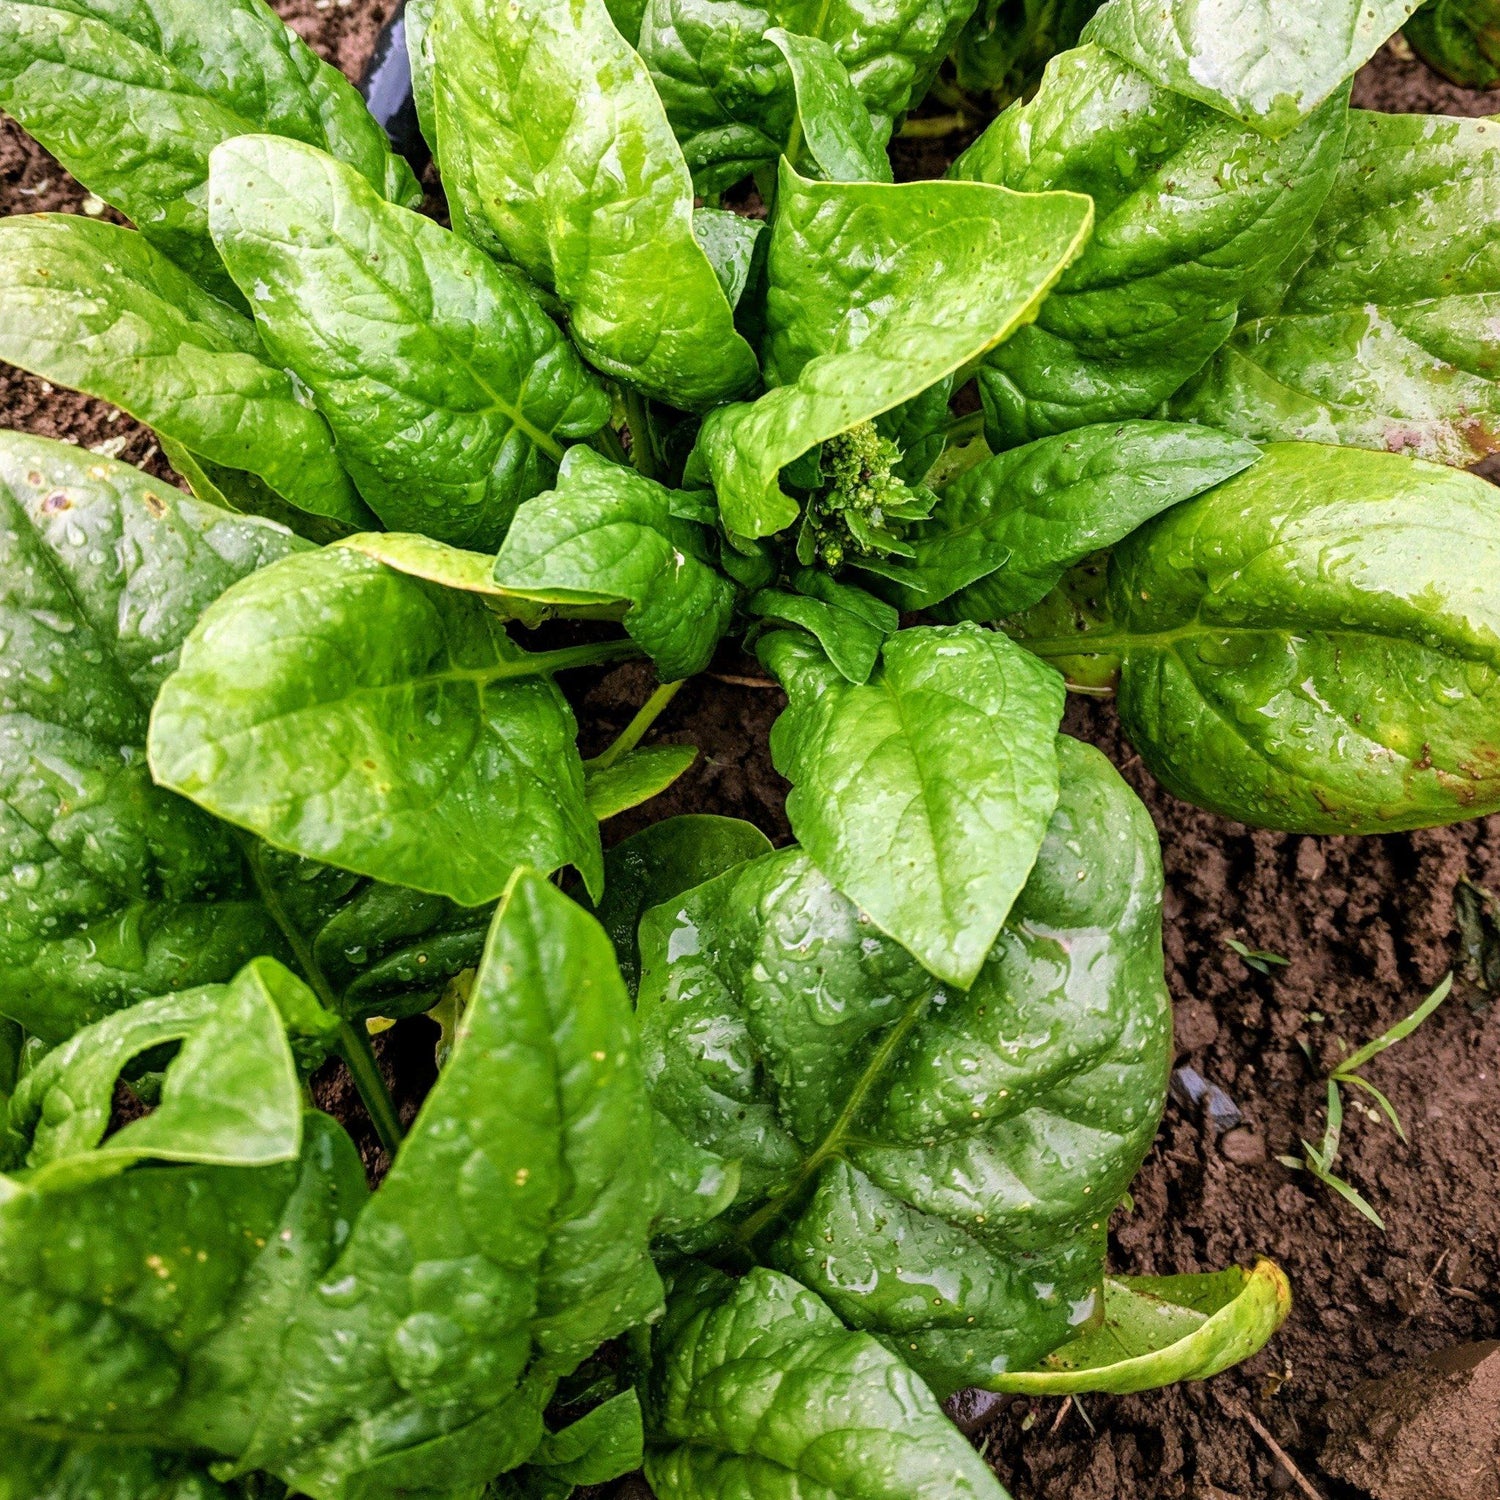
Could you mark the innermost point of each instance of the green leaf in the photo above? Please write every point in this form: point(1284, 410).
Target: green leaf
point(1315, 645)
point(35, 1469)
point(757, 1388)
point(939, 1166)
point(607, 533)
point(1006, 531)
point(1261, 61)
point(1381, 330)
point(636, 777)
point(850, 625)
point(353, 714)
point(601, 1445)
point(1193, 212)
point(1460, 38)
point(877, 292)
point(507, 1242)
point(114, 889)
point(449, 389)
point(835, 127)
point(231, 1096)
point(924, 793)
point(131, 99)
point(1157, 1330)
point(1007, 43)
point(729, 241)
point(557, 151)
point(96, 307)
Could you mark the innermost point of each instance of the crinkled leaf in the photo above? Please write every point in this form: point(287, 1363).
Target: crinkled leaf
point(353, 714)
point(925, 792)
point(636, 777)
point(34, 1469)
point(1383, 329)
point(836, 130)
point(507, 1242)
point(877, 292)
point(1193, 212)
point(1265, 62)
point(940, 1166)
point(608, 533)
point(601, 1445)
point(850, 625)
point(1460, 38)
point(557, 151)
point(757, 1388)
point(131, 99)
point(449, 389)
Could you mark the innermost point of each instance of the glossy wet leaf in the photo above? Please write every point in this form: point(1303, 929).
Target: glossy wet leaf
point(450, 391)
point(607, 533)
point(1261, 61)
point(637, 777)
point(1006, 531)
point(877, 292)
point(95, 307)
point(849, 624)
point(1460, 38)
point(835, 127)
point(556, 150)
point(35, 1469)
point(1156, 1330)
point(729, 241)
point(114, 889)
point(353, 714)
point(1380, 331)
point(601, 1445)
point(507, 1242)
point(939, 1166)
point(1192, 213)
point(925, 792)
point(131, 99)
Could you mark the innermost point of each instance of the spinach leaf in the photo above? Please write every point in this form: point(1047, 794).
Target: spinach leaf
point(557, 151)
point(353, 714)
point(636, 777)
point(835, 128)
point(35, 1469)
point(850, 625)
point(1006, 43)
point(609, 533)
point(601, 1445)
point(507, 1242)
point(925, 792)
point(1460, 38)
point(729, 241)
point(960, 1153)
point(449, 389)
point(115, 889)
point(1380, 330)
point(876, 292)
point(96, 307)
point(757, 1388)
point(1193, 212)
point(1313, 645)
point(1006, 531)
point(1263, 62)
point(132, 98)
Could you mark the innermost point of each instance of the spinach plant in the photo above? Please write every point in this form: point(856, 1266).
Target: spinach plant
point(1165, 389)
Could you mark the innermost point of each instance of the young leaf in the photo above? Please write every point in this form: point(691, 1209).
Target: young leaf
point(924, 793)
point(757, 1388)
point(938, 1166)
point(1261, 61)
point(361, 716)
point(845, 347)
point(729, 241)
point(96, 307)
point(607, 533)
point(556, 150)
point(835, 127)
point(1460, 39)
point(449, 389)
point(1380, 330)
point(850, 625)
point(132, 99)
point(507, 1242)
point(636, 777)
point(1193, 212)
point(601, 1445)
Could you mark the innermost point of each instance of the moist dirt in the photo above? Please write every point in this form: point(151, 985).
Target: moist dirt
point(1367, 927)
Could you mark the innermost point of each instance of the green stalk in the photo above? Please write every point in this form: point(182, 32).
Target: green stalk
point(359, 1058)
point(642, 453)
point(635, 730)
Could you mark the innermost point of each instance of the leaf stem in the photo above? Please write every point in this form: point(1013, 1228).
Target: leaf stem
point(635, 730)
point(933, 127)
point(588, 655)
point(638, 419)
point(359, 1058)
point(607, 442)
point(962, 429)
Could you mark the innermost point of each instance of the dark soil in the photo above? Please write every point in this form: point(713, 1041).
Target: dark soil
point(1368, 927)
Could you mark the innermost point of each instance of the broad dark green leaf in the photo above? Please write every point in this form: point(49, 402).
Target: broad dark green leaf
point(96, 307)
point(132, 97)
point(1460, 38)
point(1383, 329)
point(450, 391)
point(35, 1469)
point(353, 714)
point(833, 127)
point(601, 1445)
point(1315, 645)
point(636, 777)
point(557, 152)
point(925, 793)
point(850, 625)
point(877, 292)
point(1193, 212)
point(113, 889)
point(607, 533)
point(1004, 532)
point(507, 1242)
point(940, 1166)
point(1265, 62)
point(757, 1389)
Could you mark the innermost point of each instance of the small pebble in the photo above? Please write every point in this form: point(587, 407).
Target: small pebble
point(1192, 1090)
point(1243, 1147)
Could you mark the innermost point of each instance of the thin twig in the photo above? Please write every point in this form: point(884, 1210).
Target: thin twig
point(1062, 1412)
point(1248, 1417)
point(737, 681)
